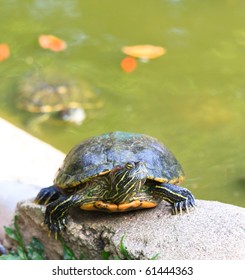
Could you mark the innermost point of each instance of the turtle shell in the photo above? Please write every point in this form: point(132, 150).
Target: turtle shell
point(98, 155)
point(39, 96)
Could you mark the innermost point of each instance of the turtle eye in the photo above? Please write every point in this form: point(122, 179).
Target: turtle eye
point(130, 165)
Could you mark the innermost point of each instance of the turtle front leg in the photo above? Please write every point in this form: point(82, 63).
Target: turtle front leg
point(179, 197)
point(56, 214)
point(57, 211)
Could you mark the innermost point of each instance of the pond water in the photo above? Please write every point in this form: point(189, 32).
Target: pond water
point(192, 98)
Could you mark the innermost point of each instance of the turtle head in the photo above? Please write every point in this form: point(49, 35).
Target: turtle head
point(126, 180)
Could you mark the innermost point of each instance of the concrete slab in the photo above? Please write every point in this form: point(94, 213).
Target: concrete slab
point(26, 165)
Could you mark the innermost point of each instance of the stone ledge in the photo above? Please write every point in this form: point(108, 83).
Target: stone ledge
point(212, 231)
point(27, 164)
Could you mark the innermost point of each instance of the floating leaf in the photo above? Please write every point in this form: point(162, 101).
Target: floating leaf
point(4, 52)
point(128, 64)
point(52, 43)
point(144, 52)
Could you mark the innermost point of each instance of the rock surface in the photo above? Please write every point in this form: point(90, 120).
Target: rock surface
point(211, 231)
point(26, 165)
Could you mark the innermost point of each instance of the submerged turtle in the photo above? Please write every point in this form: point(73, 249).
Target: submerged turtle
point(115, 172)
point(47, 96)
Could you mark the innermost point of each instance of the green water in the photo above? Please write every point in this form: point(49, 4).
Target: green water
point(192, 98)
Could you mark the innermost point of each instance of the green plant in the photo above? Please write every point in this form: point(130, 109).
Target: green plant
point(34, 250)
point(124, 251)
point(69, 254)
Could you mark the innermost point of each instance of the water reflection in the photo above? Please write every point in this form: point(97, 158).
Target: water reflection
point(40, 9)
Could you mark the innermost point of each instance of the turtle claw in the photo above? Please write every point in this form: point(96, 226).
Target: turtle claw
point(51, 234)
point(192, 203)
point(184, 205)
point(178, 208)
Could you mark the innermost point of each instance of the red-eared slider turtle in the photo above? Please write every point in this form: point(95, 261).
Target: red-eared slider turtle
point(53, 95)
point(115, 172)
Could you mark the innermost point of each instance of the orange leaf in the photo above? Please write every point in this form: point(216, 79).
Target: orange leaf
point(144, 52)
point(52, 43)
point(128, 64)
point(4, 52)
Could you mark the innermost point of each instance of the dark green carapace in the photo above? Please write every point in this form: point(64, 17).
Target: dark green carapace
point(115, 172)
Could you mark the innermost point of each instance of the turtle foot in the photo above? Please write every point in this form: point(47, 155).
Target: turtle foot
point(184, 205)
point(55, 224)
point(56, 216)
point(47, 195)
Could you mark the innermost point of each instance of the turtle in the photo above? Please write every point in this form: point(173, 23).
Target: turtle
point(68, 99)
point(115, 172)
